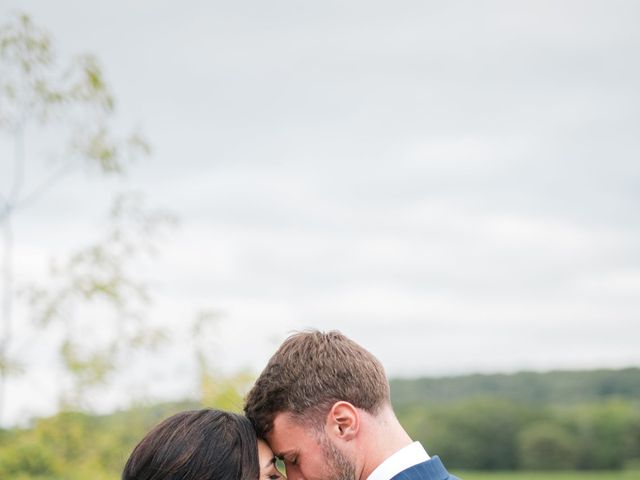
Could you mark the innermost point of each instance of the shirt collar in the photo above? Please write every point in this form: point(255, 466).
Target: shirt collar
point(404, 458)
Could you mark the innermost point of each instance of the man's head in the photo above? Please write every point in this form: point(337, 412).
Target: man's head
point(315, 390)
point(309, 373)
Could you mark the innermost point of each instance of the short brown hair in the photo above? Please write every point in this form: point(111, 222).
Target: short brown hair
point(309, 373)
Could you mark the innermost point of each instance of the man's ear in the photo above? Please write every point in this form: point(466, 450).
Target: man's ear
point(343, 421)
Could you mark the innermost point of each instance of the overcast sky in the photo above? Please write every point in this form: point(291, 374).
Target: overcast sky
point(456, 185)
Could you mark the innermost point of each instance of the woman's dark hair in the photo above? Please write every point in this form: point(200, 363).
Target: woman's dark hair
point(196, 445)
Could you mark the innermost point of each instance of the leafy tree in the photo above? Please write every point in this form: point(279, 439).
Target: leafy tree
point(476, 434)
point(491, 432)
point(98, 278)
point(69, 107)
point(29, 460)
point(605, 434)
point(547, 446)
point(217, 390)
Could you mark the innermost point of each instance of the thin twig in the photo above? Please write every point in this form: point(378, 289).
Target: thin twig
point(7, 307)
point(33, 196)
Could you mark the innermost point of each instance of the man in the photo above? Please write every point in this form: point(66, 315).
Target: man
point(323, 404)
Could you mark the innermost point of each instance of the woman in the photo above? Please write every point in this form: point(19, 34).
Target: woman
point(202, 445)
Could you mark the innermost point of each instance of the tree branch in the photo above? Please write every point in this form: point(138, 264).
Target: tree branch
point(33, 196)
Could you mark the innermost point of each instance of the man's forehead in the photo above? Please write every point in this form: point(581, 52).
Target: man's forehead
point(282, 437)
point(282, 422)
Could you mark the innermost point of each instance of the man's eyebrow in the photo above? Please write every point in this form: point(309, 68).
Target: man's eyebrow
point(285, 453)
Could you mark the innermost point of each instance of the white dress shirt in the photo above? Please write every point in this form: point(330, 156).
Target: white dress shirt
point(407, 457)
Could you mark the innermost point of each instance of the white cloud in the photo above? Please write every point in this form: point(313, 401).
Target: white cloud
point(454, 186)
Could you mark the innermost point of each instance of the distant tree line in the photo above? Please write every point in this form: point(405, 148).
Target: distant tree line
point(533, 388)
point(526, 421)
point(495, 434)
point(475, 422)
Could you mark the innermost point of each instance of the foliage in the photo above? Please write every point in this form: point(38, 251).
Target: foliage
point(99, 278)
point(607, 434)
point(224, 391)
point(551, 475)
point(534, 388)
point(68, 105)
point(77, 446)
point(535, 431)
point(36, 89)
point(473, 435)
point(547, 446)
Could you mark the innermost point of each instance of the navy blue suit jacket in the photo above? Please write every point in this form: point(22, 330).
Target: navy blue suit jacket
point(432, 469)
